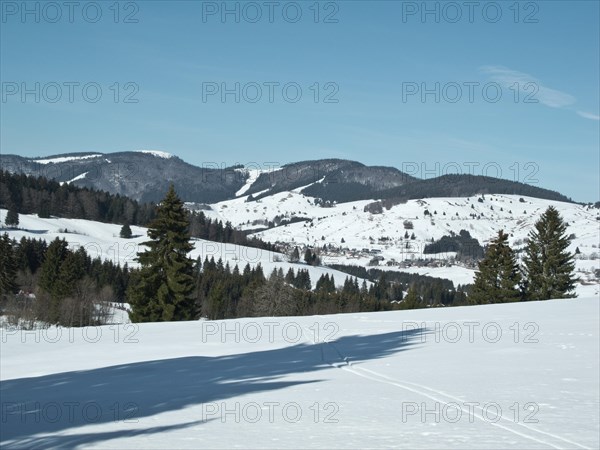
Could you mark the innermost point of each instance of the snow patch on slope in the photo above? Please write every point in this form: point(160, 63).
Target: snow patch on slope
point(62, 159)
point(78, 177)
point(253, 175)
point(157, 153)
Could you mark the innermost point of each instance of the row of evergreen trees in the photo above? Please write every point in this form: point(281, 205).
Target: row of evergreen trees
point(56, 285)
point(202, 227)
point(27, 194)
point(546, 272)
point(430, 291)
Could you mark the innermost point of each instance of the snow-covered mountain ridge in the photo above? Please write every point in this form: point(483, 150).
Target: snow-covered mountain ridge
point(146, 174)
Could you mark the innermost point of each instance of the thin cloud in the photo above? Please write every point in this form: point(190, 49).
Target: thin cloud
point(588, 115)
point(527, 85)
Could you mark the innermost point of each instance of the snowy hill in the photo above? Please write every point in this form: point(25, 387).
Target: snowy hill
point(497, 376)
point(431, 218)
point(102, 240)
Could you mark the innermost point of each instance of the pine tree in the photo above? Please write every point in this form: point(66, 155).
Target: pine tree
point(163, 287)
point(50, 270)
point(125, 231)
point(12, 218)
point(308, 256)
point(498, 277)
point(295, 255)
point(50, 277)
point(8, 266)
point(549, 266)
point(72, 269)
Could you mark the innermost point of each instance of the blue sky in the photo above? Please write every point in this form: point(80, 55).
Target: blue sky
point(375, 58)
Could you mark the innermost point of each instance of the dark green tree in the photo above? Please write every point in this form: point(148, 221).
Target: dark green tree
point(325, 284)
point(308, 256)
point(163, 288)
point(125, 231)
point(12, 218)
point(72, 269)
point(548, 265)
point(295, 255)
point(51, 277)
point(8, 266)
point(498, 277)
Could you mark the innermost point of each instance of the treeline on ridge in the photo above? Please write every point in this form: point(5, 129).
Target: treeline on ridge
point(26, 194)
point(451, 185)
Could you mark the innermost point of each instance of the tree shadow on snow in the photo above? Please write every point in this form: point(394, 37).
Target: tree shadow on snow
point(126, 396)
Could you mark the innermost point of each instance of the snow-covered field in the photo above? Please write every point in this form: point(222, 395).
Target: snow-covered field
point(361, 229)
point(385, 232)
point(500, 376)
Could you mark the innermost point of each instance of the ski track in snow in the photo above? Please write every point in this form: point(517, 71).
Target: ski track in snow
point(347, 365)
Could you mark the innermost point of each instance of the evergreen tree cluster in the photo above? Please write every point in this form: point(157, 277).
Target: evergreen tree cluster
point(299, 279)
point(311, 258)
point(498, 277)
point(25, 194)
point(68, 287)
point(547, 270)
point(430, 290)
point(214, 230)
point(465, 246)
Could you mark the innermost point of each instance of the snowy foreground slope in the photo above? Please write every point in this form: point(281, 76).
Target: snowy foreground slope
point(498, 376)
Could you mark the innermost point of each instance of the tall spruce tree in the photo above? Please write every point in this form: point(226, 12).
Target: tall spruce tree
point(8, 266)
point(51, 276)
point(163, 288)
point(498, 277)
point(548, 265)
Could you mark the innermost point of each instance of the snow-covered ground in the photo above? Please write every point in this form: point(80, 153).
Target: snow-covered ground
point(361, 229)
point(497, 376)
